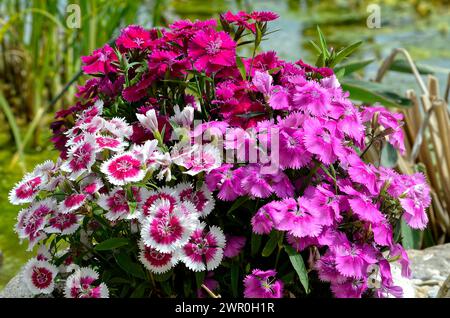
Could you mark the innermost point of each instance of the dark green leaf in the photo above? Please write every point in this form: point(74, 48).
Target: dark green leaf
point(129, 266)
point(255, 244)
point(139, 292)
point(237, 204)
point(234, 279)
point(163, 277)
point(111, 243)
point(199, 278)
point(271, 244)
point(299, 266)
point(371, 93)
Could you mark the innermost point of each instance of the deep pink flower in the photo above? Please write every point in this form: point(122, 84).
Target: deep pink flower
point(226, 181)
point(212, 50)
point(262, 284)
point(139, 90)
point(351, 288)
point(321, 140)
point(352, 260)
point(292, 151)
point(363, 173)
point(100, 61)
point(311, 98)
point(134, 37)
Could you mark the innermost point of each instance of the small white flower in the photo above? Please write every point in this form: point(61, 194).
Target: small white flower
point(149, 120)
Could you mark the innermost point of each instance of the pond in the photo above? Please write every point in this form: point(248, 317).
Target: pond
point(423, 30)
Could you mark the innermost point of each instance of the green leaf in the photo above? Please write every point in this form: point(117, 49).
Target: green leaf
point(163, 277)
point(241, 67)
point(271, 244)
point(410, 237)
point(389, 156)
point(111, 243)
point(237, 204)
point(139, 292)
point(341, 55)
point(234, 279)
point(129, 266)
point(299, 266)
point(323, 43)
point(199, 279)
point(315, 46)
point(255, 244)
point(371, 93)
point(352, 67)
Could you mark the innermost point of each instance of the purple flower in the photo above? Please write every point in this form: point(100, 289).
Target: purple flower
point(234, 245)
point(262, 284)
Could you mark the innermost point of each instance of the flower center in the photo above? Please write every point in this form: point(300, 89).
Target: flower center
point(213, 47)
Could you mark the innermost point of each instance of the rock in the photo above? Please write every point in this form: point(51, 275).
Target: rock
point(430, 269)
point(444, 292)
point(16, 288)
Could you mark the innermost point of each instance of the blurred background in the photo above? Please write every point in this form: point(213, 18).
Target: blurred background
point(40, 59)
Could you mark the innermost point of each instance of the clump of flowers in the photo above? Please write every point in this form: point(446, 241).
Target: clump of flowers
point(184, 165)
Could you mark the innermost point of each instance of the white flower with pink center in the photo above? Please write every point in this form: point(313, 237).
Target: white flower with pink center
point(119, 127)
point(46, 168)
point(202, 198)
point(42, 253)
point(150, 197)
point(111, 143)
point(91, 185)
point(123, 168)
point(167, 233)
point(81, 284)
point(72, 202)
point(26, 190)
point(204, 251)
point(39, 276)
point(156, 261)
point(148, 153)
point(81, 157)
point(200, 159)
point(116, 203)
point(32, 221)
point(93, 125)
point(63, 223)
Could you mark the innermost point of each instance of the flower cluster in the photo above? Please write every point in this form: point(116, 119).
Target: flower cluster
point(179, 151)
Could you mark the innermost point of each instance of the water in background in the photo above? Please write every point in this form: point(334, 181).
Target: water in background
point(423, 30)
